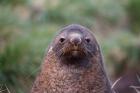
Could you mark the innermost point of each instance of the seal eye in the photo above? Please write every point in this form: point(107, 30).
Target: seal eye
point(87, 40)
point(62, 40)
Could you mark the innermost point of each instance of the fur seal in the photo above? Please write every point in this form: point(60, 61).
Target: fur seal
point(73, 64)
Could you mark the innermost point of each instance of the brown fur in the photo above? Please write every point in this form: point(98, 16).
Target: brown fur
point(62, 72)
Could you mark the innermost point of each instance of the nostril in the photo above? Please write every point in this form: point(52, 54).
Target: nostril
point(75, 41)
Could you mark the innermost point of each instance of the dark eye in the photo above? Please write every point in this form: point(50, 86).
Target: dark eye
point(87, 40)
point(62, 40)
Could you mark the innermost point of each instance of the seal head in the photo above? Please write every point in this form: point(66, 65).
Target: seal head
point(75, 43)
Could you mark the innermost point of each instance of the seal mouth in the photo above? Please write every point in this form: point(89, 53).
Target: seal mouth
point(74, 52)
point(75, 48)
point(74, 56)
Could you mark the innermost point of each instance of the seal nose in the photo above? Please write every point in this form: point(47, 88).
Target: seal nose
point(75, 40)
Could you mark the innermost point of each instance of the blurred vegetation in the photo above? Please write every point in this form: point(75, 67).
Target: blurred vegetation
point(13, 2)
point(28, 26)
point(134, 13)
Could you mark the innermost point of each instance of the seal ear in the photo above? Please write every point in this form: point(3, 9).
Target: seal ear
point(96, 49)
point(50, 49)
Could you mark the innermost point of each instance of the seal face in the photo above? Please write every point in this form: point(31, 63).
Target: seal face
point(75, 44)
